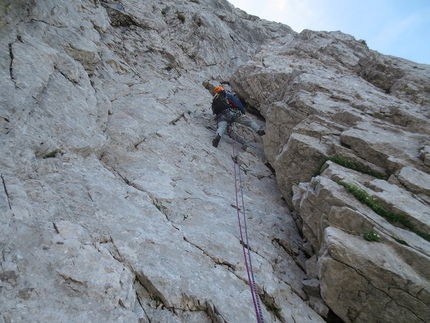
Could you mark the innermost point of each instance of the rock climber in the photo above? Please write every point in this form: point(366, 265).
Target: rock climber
point(229, 109)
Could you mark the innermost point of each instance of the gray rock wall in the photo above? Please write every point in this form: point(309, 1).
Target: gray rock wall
point(347, 134)
point(115, 207)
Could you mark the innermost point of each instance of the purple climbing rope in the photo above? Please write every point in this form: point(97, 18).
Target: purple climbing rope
point(245, 246)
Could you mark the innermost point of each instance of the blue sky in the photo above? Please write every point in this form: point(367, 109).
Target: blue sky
point(393, 27)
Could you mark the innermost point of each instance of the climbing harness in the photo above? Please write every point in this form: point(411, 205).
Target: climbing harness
point(245, 245)
point(230, 115)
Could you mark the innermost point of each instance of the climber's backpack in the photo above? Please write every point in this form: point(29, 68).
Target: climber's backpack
point(220, 103)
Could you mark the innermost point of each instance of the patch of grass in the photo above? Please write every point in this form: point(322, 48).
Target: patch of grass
point(315, 185)
point(270, 304)
point(423, 235)
point(273, 308)
point(180, 16)
point(348, 163)
point(392, 217)
point(371, 236)
point(158, 301)
point(403, 242)
point(158, 206)
point(342, 161)
point(52, 154)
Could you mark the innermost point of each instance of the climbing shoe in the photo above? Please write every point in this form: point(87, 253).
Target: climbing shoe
point(261, 132)
point(215, 142)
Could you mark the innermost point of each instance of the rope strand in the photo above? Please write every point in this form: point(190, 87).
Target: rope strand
point(246, 255)
point(249, 252)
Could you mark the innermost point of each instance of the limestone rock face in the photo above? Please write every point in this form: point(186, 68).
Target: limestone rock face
point(115, 207)
point(348, 135)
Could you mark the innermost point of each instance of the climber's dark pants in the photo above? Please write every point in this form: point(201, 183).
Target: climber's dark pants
point(232, 116)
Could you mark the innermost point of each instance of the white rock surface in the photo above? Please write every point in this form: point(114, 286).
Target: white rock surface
point(115, 207)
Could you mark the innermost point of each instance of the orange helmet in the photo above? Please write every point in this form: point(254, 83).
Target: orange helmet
point(218, 88)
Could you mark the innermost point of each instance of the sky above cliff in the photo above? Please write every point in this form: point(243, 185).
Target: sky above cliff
point(393, 27)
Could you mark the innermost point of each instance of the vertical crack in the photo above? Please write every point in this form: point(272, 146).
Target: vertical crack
point(290, 251)
point(11, 62)
point(6, 192)
point(271, 306)
point(12, 57)
point(139, 297)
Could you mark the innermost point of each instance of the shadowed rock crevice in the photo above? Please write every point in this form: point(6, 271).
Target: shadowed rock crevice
point(118, 17)
point(216, 261)
point(6, 192)
point(11, 62)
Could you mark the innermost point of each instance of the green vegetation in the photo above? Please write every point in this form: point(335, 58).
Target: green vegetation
point(52, 154)
point(348, 163)
point(392, 217)
point(365, 198)
point(403, 242)
point(158, 206)
point(315, 185)
point(158, 301)
point(181, 16)
point(273, 308)
point(342, 161)
point(371, 236)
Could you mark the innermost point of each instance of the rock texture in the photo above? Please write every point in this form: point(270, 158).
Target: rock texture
point(115, 207)
point(343, 119)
